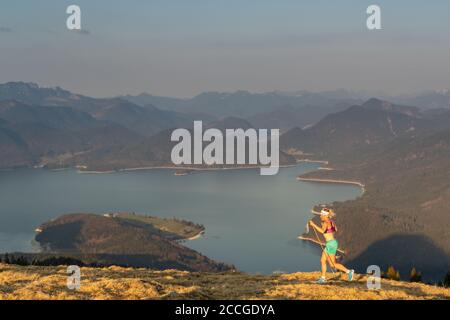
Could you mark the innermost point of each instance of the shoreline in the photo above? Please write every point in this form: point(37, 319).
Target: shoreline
point(326, 162)
point(195, 237)
point(178, 168)
point(78, 168)
point(334, 181)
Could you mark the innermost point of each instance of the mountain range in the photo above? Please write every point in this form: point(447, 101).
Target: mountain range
point(144, 120)
point(283, 110)
point(428, 100)
point(31, 133)
point(54, 127)
point(362, 129)
point(276, 109)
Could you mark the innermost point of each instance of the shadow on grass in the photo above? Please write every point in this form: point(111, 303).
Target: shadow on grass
point(405, 252)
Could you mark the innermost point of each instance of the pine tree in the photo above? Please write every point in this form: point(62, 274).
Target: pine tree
point(447, 280)
point(392, 274)
point(415, 276)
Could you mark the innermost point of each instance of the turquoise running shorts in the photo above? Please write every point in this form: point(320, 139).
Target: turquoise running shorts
point(331, 246)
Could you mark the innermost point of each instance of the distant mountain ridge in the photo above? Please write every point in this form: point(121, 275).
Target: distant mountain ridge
point(361, 129)
point(31, 93)
point(144, 120)
point(244, 104)
point(288, 117)
point(428, 100)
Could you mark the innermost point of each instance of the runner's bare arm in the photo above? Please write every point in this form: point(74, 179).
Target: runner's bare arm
point(319, 229)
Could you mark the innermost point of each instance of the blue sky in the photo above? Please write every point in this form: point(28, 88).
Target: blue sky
point(184, 47)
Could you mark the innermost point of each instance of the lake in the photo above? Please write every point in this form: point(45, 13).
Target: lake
point(251, 221)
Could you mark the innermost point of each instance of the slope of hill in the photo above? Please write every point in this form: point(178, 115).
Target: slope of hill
point(229, 123)
point(360, 130)
point(146, 120)
point(402, 217)
point(125, 283)
point(287, 117)
point(13, 148)
point(165, 103)
point(32, 135)
point(154, 151)
point(54, 117)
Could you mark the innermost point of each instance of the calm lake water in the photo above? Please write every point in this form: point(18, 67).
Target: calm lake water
point(251, 221)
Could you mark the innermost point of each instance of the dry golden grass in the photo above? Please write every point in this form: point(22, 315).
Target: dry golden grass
point(126, 283)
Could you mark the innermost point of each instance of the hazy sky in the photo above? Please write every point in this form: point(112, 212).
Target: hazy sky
point(184, 47)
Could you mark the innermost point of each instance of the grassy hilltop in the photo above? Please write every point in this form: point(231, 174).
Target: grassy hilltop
point(33, 282)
